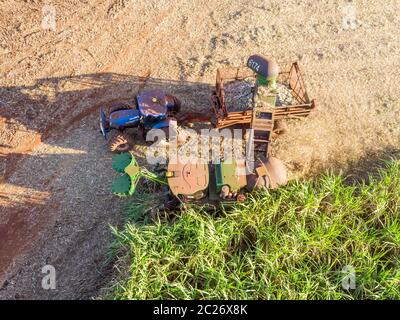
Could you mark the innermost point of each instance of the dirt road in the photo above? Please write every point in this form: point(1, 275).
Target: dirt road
point(55, 199)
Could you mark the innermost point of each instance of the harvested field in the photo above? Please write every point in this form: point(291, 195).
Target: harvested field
point(55, 199)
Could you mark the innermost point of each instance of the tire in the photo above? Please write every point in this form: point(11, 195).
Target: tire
point(176, 104)
point(224, 194)
point(120, 144)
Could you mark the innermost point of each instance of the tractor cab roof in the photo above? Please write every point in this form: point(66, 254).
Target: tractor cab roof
point(152, 103)
point(124, 118)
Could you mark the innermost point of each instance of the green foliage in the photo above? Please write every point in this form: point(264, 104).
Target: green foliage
point(292, 243)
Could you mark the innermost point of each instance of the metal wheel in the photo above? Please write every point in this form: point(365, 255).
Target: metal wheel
point(120, 144)
point(224, 192)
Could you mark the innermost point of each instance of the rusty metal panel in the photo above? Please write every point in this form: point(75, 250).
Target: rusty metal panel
point(291, 77)
point(296, 83)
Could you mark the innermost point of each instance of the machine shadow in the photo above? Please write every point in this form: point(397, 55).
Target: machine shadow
point(50, 106)
point(55, 170)
point(369, 165)
point(43, 189)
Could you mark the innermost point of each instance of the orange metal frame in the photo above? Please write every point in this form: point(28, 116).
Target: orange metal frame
point(292, 77)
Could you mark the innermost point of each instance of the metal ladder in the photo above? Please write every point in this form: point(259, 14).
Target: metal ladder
point(262, 123)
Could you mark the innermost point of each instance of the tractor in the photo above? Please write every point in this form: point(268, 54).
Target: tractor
point(152, 109)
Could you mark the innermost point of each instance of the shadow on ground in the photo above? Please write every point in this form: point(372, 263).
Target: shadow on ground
point(55, 199)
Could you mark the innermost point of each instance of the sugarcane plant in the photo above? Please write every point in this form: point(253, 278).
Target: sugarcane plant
point(131, 173)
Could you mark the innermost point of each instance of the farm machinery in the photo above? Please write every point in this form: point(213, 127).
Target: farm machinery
point(258, 97)
point(201, 183)
point(286, 92)
point(153, 109)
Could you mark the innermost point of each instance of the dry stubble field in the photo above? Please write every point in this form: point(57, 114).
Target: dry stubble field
point(55, 199)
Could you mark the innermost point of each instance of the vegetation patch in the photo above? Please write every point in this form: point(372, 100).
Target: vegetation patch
point(298, 242)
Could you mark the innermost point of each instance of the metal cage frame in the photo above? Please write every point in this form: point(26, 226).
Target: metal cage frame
point(292, 77)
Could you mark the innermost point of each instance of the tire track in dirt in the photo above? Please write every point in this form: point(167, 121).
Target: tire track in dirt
point(139, 37)
point(54, 130)
point(120, 60)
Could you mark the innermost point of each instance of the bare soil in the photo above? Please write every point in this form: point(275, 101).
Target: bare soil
point(55, 199)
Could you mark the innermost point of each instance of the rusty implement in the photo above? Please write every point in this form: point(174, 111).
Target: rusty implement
point(269, 173)
point(290, 84)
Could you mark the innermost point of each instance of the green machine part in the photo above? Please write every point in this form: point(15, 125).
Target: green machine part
point(125, 184)
point(267, 77)
point(228, 173)
point(123, 160)
point(269, 82)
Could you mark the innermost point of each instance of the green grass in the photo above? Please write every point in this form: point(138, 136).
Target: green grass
point(292, 243)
